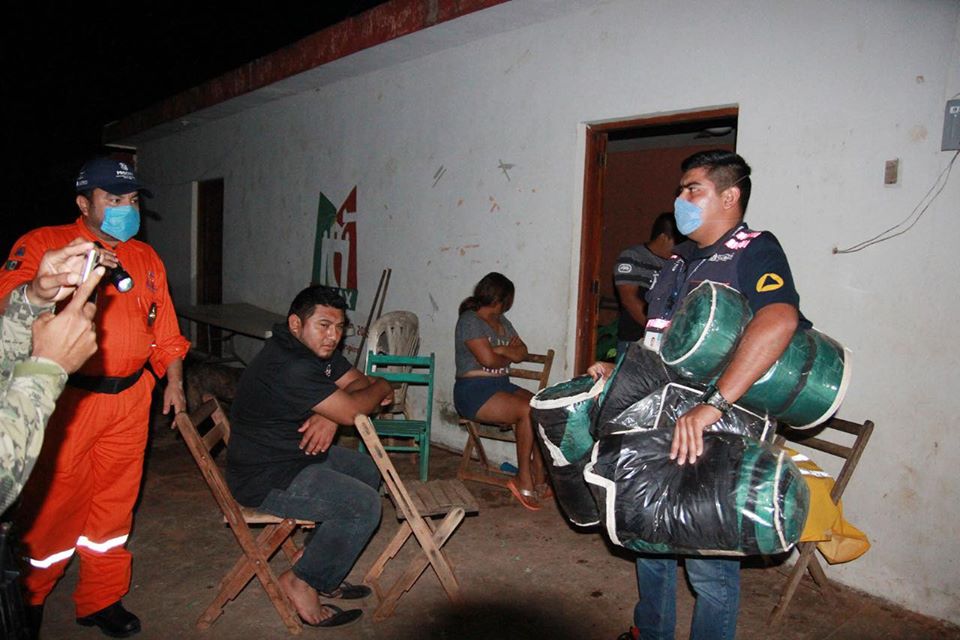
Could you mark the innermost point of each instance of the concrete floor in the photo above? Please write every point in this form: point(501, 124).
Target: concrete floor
point(525, 575)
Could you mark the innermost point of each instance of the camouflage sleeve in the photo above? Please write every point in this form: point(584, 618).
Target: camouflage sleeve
point(15, 335)
point(30, 388)
point(25, 406)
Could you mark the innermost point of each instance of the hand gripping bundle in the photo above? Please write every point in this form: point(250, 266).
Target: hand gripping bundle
point(741, 497)
point(804, 387)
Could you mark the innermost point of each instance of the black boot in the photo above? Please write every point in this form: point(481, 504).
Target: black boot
point(115, 621)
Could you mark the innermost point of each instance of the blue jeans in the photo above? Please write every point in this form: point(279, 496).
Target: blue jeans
point(716, 582)
point(340, 493)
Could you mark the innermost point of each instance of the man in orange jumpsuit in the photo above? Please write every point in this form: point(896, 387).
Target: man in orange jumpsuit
point(80, 498)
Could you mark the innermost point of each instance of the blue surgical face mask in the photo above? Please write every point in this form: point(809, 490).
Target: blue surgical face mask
point(688, 215)
point(121, 223)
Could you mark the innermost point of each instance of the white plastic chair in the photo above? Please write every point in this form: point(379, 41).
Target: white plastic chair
point(395, 333)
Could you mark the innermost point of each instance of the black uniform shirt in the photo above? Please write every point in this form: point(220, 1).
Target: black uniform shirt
point(276, 394)
point(752, 262)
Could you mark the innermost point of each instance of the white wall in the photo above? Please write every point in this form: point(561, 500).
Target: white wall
point(827, 92)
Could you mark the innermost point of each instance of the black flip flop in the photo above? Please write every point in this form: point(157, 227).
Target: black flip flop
point(347, 591)
point(340, 618)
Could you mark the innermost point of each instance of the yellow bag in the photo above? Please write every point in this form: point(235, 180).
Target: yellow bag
point(838, 540)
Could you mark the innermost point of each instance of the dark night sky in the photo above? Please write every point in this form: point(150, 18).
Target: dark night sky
point(69, 68)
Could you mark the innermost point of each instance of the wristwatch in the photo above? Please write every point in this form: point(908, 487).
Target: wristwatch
point(712, 397)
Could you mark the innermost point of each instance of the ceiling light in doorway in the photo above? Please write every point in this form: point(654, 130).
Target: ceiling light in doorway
point(714, 132)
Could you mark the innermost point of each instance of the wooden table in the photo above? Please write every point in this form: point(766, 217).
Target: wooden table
point(236, 318)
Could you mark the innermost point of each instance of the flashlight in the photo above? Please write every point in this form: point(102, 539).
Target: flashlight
point(117, 276)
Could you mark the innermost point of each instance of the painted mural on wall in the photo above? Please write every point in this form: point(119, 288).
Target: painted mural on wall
point(335, 248)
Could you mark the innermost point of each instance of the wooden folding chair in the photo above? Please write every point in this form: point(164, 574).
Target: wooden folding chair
point(255, 560)
point(807, 560)
point(535, 367)
point(416, 506)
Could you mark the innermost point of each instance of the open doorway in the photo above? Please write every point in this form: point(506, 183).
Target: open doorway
point(631, 176)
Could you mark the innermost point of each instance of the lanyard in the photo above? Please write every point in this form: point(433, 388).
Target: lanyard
point(685, 276)
point(679, 284)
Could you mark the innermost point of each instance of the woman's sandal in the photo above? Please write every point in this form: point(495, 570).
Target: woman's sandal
point(524, 496)
point(340, 618)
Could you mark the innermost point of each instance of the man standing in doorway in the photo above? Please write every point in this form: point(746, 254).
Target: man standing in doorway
point(634, 274)
point(81, 495)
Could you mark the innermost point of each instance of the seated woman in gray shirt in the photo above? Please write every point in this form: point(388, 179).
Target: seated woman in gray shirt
point(486, 345)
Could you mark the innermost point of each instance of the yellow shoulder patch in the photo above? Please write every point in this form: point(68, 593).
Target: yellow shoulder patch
point(769, 282)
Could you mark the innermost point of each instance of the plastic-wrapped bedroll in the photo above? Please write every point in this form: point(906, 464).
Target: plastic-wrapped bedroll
point(803, 388)
point(564, 414)
point(741, 497)
point(639, 373)
point(705, 331)
point(807, 384)
point(662, 408)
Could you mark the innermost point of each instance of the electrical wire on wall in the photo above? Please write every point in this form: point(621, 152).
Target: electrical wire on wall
point(912, 219)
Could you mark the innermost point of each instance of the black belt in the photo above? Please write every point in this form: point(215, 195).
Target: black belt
point(104, 384)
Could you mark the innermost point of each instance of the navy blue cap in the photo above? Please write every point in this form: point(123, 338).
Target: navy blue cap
point(110, 175)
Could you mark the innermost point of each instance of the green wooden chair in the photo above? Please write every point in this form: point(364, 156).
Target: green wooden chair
point(415, 370)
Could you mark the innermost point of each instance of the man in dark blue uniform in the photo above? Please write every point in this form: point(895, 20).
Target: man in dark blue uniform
point(713, 196)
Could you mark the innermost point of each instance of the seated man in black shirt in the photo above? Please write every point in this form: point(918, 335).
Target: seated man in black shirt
point(280, 459)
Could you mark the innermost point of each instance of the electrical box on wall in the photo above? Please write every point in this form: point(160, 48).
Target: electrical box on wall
point(891, 172)
point(951, 126)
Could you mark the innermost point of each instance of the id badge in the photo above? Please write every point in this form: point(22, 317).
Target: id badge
point(652, 340)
